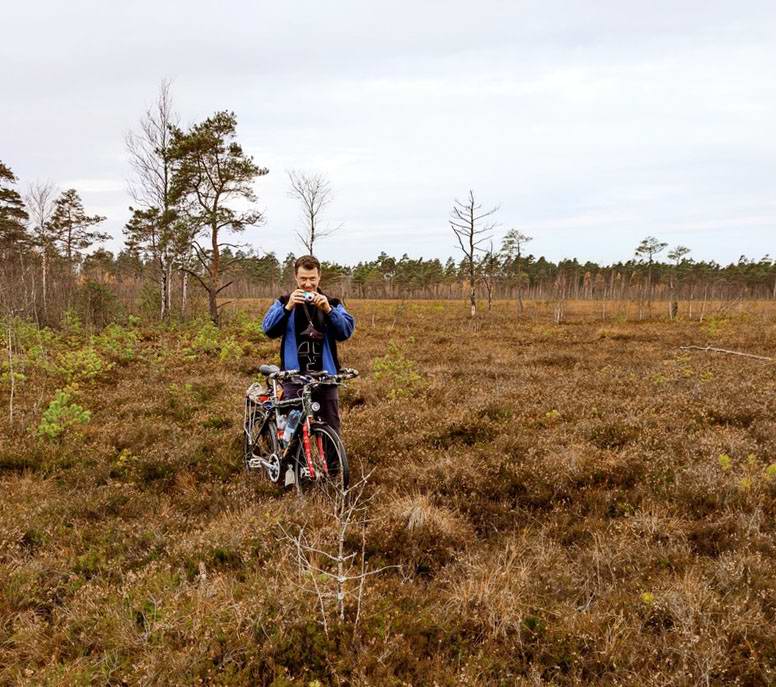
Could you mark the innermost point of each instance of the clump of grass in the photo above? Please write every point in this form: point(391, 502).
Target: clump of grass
point(426, 536)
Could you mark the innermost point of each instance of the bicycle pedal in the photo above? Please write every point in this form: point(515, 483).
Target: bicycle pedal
point(255, 463)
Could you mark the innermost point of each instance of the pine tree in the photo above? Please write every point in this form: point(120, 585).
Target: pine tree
point(210, 170)
point(74, 228)
point(13, 215)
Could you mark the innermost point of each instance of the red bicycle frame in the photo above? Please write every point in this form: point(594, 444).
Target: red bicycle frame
point(307, 453)
point(306, 444)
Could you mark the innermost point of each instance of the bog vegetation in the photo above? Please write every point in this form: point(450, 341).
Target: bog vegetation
point(550, 490)
point(577, 503)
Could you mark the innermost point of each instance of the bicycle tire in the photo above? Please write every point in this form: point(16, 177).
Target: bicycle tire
point(337, 473)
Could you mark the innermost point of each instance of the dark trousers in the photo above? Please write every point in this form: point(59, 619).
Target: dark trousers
point(327, 396)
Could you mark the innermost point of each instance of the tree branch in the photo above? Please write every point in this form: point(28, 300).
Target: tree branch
point(707, 349)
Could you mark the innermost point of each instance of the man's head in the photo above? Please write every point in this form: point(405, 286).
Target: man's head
point(307, 271)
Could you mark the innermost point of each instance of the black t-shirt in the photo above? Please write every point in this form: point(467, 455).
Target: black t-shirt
point(310, 332)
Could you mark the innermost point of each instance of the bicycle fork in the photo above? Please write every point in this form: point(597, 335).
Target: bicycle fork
point(308, 452)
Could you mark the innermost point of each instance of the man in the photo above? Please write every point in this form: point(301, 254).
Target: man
point(310, 331)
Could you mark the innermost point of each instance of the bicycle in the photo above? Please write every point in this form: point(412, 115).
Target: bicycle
point(310, 452)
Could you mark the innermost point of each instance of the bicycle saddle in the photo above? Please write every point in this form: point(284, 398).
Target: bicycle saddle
point(267, 370)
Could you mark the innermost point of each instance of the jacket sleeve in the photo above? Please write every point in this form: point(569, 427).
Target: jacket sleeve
point(274, 323)
point(342, 322)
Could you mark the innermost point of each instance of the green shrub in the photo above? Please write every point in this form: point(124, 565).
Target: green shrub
point(17, 376)
point(117, 342)
point(61, 415)
point(207, 339)
point(247, 327)
point(715, 325)
point(230, 350)
point(397, 374)
point(6, 375)
point(81, 365)
point(30, 345)
point(71, 322)
point(210, 340)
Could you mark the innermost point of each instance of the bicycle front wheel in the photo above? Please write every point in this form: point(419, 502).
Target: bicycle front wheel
point(328, 462)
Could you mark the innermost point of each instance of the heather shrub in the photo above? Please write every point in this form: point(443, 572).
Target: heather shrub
point(423, 535)
point(566, 505)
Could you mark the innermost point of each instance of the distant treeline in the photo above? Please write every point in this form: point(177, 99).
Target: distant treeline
point(51, 262)
point(529, 276)
point(101, 284)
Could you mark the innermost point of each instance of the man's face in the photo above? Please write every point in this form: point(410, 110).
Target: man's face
point(308, 279)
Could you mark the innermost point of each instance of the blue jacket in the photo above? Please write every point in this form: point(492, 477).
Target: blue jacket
point(280, 322)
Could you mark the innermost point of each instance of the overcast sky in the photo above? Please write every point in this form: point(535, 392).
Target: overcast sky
point(591, 123)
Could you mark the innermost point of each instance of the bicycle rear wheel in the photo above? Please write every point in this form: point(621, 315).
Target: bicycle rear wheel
point(329, 461)
point(261, 441)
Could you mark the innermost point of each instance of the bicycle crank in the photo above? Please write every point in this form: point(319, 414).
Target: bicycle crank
point(271, 465)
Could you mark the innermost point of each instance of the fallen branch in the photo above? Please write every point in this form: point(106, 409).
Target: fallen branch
point(725, 350)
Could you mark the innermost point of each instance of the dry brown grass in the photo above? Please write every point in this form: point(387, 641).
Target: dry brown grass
point(570, 505)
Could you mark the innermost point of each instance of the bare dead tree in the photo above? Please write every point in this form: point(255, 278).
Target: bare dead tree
point(40, 201)
point(559, 287)
point(471, 227)
point(326, 569)
point(11, 373)
point(707, 349)
point(155, 228)
point(313, 193)
point(12, 306)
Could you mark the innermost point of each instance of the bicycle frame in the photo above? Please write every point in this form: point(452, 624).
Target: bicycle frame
point(304, 402)
point(268, 401)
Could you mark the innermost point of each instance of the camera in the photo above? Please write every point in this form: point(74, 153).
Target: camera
point(309, 296)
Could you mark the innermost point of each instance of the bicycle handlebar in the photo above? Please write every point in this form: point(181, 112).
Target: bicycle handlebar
point(314, 377)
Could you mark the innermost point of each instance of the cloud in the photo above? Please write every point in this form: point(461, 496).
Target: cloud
point(593, 124)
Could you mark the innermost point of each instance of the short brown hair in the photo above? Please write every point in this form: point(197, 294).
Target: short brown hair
point(309, 262)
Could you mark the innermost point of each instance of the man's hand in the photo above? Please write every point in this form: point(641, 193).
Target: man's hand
point(322, 303)
point(296, 297)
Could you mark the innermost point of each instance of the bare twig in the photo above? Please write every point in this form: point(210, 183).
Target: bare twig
point(712, 349)
point(333, 586)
